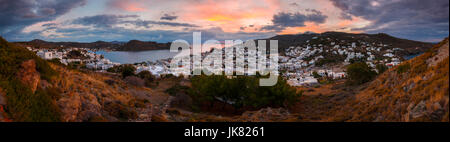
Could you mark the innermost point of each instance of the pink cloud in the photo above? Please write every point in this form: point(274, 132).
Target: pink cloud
point(129, 5)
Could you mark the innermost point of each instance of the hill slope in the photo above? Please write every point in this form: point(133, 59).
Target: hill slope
point(409, 46)
point(35, 90)
point(416, 90)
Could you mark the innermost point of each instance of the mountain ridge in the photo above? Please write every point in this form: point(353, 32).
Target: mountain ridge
point(284, 41)
point(410, 46)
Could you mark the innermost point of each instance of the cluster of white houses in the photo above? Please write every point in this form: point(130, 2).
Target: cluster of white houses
point(92, 60)
point(98, 62)
point(298, 63)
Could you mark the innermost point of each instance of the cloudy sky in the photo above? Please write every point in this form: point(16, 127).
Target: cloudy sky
point(168, 20)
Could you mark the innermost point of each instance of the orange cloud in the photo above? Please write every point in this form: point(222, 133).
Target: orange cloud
point(230, 15)
point(309, 26)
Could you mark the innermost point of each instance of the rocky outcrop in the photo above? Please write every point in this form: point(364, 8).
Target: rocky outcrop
point(70, 107)
point(28, 75)
point(440, 56)
point(98, 97)
point(416, 95)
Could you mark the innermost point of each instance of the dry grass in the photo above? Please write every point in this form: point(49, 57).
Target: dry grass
point(390, 95)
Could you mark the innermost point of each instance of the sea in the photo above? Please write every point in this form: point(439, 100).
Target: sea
point(131, 57)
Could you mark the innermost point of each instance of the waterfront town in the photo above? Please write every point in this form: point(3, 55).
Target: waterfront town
point(325, 57)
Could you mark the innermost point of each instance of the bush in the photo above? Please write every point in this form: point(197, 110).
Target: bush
point(147, 77)
point(316, 75)
point(242, 91)
point(381, 68)
point(22, 103)
point(359, 73)
point(75, 54)
point(176, 89)
point(125, 70)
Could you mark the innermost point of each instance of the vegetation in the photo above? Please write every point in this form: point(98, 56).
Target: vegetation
point(125, 70)
point(381, 68)
point(316, 75)
point(241, 91)
point(22, 103)
point(121, 111)
point(403, 68)
point(75, 54)
point(147, 77)
point(359, 73)
point(176, 89)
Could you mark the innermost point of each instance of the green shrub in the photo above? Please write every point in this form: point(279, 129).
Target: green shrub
point(381, 68)
point(125, 70)
point(359, 73)
point(316, 75)
point(147, 77)
point(24, 106)
point(242, 91)
point(22, 103)
point(176, 89)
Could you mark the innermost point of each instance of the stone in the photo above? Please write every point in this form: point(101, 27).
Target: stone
point(419, 111)
point(2, 97)
point(70, 107)
point(28, 75)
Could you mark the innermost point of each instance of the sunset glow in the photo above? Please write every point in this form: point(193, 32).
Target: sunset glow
point(223, 18)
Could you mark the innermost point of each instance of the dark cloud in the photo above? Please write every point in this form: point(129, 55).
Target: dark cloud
point(169, 17)
point(275, 28)
point(122, 34)
point(17, 14)
point(283, 20)
point(102, 20)
point(173, 24)
point(297, 19)
point(412, 19)
point(109, 21)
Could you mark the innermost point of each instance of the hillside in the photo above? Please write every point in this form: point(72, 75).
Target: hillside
point(409, 46)
point(32, 89)
point(35, 90)
point(416, 90)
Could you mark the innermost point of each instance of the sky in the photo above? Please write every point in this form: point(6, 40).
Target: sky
point(169, 20)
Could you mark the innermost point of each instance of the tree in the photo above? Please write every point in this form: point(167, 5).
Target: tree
point(128, 70)
point(359, 73)
point(241, 91)
point(75, 54)
point(147, 77)
point(316, 75)
point(125, 70)
point(381, 68)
